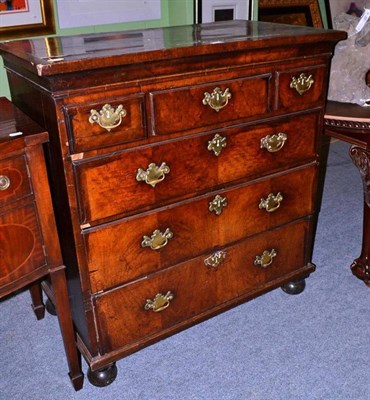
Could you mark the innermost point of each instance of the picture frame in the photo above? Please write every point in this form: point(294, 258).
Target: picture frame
point(30, 18)
point(222, 10)
point(292, 12)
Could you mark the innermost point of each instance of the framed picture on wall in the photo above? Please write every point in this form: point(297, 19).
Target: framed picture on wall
point(23, 18)
point(222, 10)
point(292, 12)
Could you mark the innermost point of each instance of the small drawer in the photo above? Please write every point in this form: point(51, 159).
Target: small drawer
point(207, 105)
point(105, 122)
point(20, 244)
point(135, 247)
point(173, 298)
point(301, 89)
point(117, 184)
point(14, 181)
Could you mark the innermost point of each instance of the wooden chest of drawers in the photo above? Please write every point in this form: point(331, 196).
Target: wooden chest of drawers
point(184, 170)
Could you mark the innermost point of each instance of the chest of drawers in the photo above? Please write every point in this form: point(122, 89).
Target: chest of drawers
point(184, 170)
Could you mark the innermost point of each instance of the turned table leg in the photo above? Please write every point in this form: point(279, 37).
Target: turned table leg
point(59, 284)
point(361, 266)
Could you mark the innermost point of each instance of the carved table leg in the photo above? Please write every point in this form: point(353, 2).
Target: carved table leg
point(361, 266)
point(37, 303)
point(59, 284)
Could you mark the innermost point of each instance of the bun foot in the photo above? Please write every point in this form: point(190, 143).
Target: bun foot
point(295, 287)
point(102, 377)
point(50, 308)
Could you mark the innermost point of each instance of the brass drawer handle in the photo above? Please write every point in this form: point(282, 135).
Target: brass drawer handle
point(4, 182)
point(217, 99)
point(157, 240)
point(108, 117)
point(302, 83)
point(274, 143)
point(153, 174)
point(217, 144)
point(217, 204)
point(215, 259)
point(272, 202)
point(160, 302)
point(266, 258)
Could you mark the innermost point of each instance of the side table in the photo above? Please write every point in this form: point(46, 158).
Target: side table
point(29, 244)
point(351, 123)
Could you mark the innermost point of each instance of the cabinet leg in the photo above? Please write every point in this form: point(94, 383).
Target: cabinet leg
point(295, 287)
point(37, 303)
point(59, 285)
point(104, 376)
point(361, 266)
point(50, 308)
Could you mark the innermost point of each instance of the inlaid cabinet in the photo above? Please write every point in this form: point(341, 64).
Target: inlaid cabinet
point(184, 168)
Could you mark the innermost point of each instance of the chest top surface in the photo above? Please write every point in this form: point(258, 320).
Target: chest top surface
point(55, 55)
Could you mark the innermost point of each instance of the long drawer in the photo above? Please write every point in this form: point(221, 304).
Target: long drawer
point(137, 180)
point(135, 247)
point(161, 301)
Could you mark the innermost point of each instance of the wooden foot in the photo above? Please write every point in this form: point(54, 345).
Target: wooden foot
point(37, 302)
point(59, 285)
point(361, 266)
point(104, 376)
point(295, 287)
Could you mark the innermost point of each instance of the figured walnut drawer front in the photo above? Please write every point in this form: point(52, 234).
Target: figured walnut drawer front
point(138, 246)
point(126, 315)
point(105, 122)
point(14, 182)
point(210, 104)
point(20, 244)
point(109, 186)
point(302, 88)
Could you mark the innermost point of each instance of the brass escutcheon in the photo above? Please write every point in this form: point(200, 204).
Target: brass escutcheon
point(159, 303)
point(302, 83)
point(217, 204)
point(153, 174)
point(108, 117)
point(274, 143)
point(266, 258)
point(217, 99)
point(157, 240)
point(217, 144)
point(272, 202)
point(215, 259)
point(4, 182)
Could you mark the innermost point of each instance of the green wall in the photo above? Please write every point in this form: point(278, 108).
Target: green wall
point(174, 12)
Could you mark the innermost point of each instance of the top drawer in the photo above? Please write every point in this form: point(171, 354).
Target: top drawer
point(105, 122)
point(14, 182)
point(301, 89)
point(212, 104)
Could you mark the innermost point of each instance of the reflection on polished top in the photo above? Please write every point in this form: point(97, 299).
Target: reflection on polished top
point(75, 53)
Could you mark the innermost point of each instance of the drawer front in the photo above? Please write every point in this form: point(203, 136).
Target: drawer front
point(20, 244)
point(302, 88)
point(127, 315)
point(109, 186)
point(14, 181)
point(144, 244)
point(105, 122)
point(211, 104)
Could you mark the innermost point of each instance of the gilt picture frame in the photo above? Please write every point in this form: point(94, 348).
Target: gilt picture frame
point(25, 18)
point(292, 12)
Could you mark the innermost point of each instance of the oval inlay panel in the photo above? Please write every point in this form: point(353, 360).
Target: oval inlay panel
point(15, 237)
